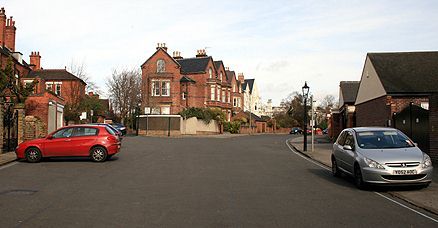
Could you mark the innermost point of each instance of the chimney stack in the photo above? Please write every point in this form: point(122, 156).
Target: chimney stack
point(35, 60)
point(177, 55)
point(201, 53)
point(241, 78)
point(227, 68)
point(2, 26)
point(162, 45)
point(10, 34)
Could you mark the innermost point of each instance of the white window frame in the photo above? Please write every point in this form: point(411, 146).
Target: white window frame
point(212, 93)
point(218, 95)
point(49, 86)
point(165, 87)
point(210, 72)
point(161, 66)
point(221, 76)
point(224, 95)
point(229, 96)
point(183, 95)
point(234, 101)
point(58, 86)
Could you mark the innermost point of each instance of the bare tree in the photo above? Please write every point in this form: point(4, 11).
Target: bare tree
point(125, 92)
point(328, 102)
point(79, 69)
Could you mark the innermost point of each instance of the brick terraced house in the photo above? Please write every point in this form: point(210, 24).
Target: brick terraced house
point(172, 83)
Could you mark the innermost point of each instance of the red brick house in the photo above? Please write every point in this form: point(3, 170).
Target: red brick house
point(172, 83)
point(400, 90)
point(236, 92)
point(54, 87)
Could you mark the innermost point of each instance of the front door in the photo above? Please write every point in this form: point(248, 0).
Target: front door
point(60, 144)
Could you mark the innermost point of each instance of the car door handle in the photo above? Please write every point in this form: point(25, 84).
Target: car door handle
point(67, 140)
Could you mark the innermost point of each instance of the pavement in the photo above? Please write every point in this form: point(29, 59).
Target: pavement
point(6, 158)
point(246, 181)
point(426, 198)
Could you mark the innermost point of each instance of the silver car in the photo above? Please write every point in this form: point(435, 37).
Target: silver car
point(375, 155)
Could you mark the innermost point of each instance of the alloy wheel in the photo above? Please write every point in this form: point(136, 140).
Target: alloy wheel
point(33, 155)
point(98, 154)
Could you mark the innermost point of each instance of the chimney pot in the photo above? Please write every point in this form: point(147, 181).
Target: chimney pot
point(35, 60)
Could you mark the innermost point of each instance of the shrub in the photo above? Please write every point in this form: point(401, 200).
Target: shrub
point(205, 114)
point(232, 127)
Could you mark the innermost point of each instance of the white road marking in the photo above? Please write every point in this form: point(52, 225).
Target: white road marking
point(8, 165)
point(377, 193)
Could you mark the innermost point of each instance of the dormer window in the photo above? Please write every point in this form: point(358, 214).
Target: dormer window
point(210, 72)
point(161, 66)
point(220, 76)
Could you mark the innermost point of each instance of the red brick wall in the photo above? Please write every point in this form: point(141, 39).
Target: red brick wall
point(172, 73)
point(400, 103)
point(335, 125)
point(433, 128)
point(373, 113)
point(38, 106)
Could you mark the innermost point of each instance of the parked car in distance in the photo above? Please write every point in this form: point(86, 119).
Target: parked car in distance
point(97, 142)
point(120, 127)
point(380, 156)
point(116, 131)
point(296, 130)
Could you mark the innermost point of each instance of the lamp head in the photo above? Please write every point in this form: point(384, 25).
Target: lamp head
point(305, 90)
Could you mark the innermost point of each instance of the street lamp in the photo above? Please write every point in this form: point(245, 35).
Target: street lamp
point(305, 95)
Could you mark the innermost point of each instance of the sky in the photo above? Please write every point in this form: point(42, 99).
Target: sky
point(281, 44)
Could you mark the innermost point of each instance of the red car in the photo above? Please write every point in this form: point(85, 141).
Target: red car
point(97, 142)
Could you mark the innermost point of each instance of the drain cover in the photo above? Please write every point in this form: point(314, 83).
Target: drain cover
point(18, 192)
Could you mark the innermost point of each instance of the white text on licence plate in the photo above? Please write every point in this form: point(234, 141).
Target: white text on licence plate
point(405, 172)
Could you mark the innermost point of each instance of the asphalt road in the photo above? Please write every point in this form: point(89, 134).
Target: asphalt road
point(250, 181)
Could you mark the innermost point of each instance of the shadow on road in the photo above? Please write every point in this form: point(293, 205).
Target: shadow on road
point(348, 181)
point(72, 159)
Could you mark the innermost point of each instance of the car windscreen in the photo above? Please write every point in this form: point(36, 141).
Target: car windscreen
point(382, 140)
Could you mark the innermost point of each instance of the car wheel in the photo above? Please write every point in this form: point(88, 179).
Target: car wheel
point(335, 169)
point(98, 154)
point(358, 180)
point(33, 155)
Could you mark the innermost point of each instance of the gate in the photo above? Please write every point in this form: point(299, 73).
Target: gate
point(10, 127)
point(414, 122)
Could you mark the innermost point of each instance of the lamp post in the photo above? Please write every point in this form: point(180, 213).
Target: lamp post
point(305, 94)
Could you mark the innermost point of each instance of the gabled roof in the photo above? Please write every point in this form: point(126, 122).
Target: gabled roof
point(349, 90)
point(54, 74)
point(187, 79)
point(194, 65)
point(158, 49)
point(230, 75)
point(407, 72)
point(254, 117)
point(248, 82)
point(5, 51)
point(217, 64)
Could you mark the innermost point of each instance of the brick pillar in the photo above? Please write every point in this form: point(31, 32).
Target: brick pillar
point(21, 122)
point(433, 128)
point(1, 127)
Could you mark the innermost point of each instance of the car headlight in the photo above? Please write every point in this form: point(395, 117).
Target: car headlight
point(426, 161)
point(373, 164)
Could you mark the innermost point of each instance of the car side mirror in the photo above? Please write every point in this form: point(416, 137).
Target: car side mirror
point(50, 137)
point(347, 147)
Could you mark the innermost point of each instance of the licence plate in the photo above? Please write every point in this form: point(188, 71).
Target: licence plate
point(405, 172)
